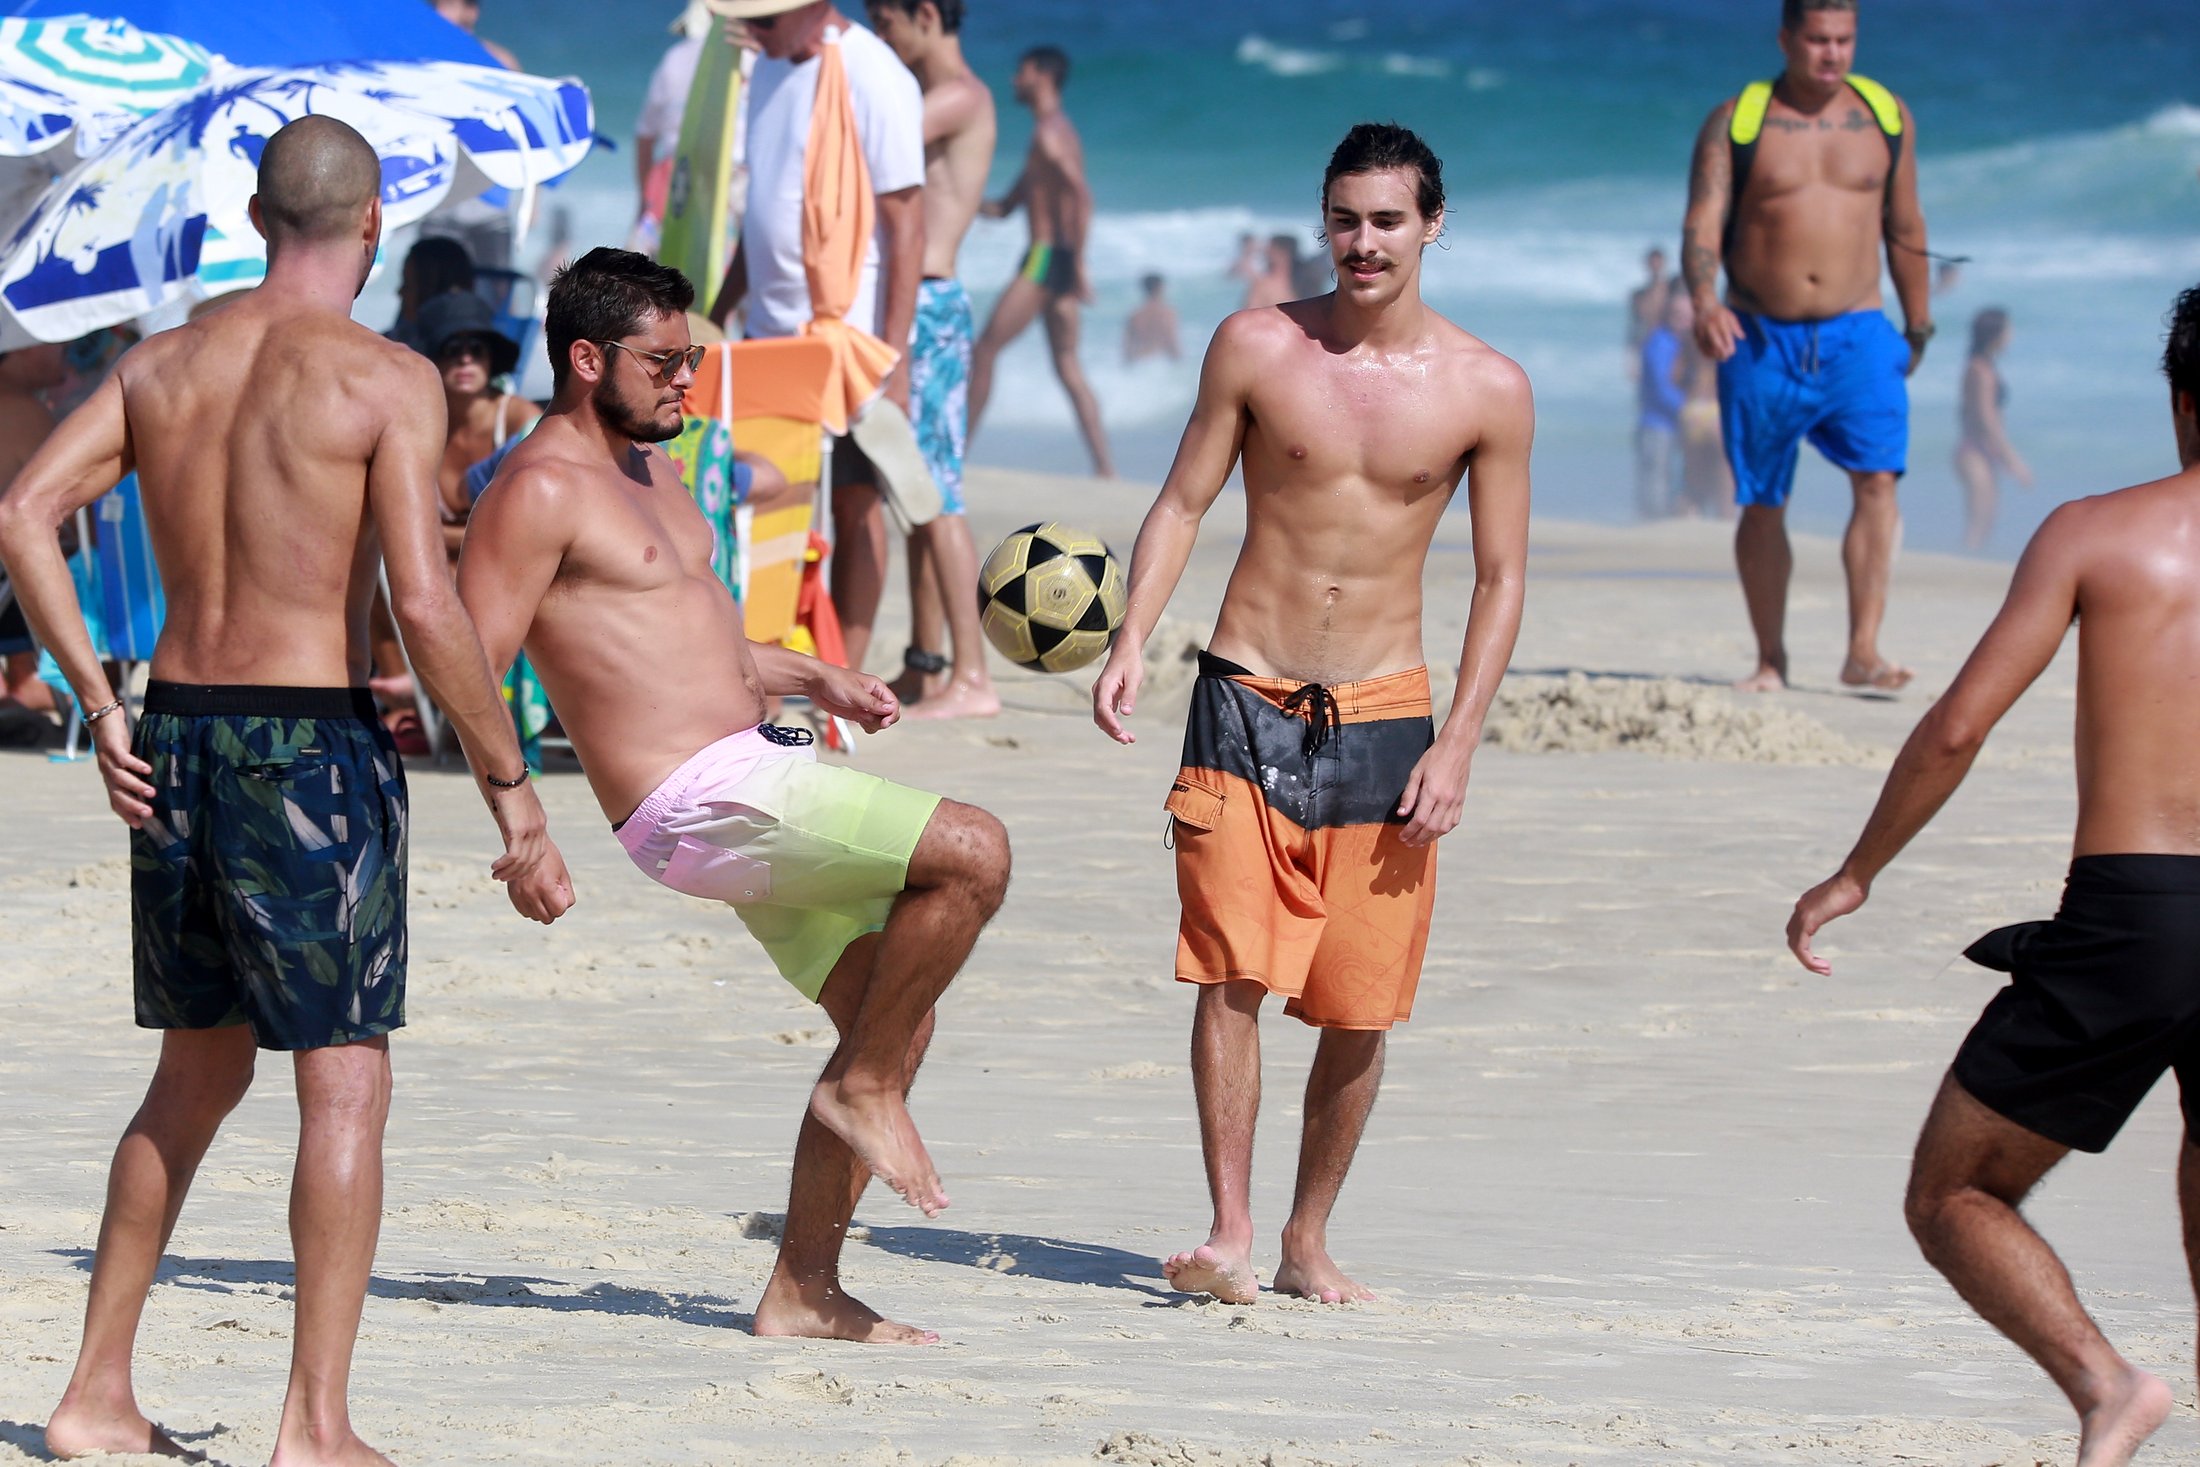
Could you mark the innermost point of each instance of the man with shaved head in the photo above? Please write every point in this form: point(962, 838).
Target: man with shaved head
point(285, 454)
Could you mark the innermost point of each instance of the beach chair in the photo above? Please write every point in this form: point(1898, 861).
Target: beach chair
point(122, 596)
point(772, 394)
point(131, 600)
point(776, 396)
point(126, 583)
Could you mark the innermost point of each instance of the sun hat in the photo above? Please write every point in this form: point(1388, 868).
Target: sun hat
point(457, 313)
point(752, 9)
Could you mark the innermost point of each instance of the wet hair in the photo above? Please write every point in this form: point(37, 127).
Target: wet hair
point(1052, 61)
point(1793, 11)
point(1987, 328)
point(1151, 284)
point(1375, 147)
point(1288, 243)
point(951, 11)
point(604, 295)
point(317, 177)
point(437, 264)
point(2181, 357)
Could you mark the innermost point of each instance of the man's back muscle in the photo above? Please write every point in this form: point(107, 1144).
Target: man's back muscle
point(1056, 158)
point(2138, 604)
point(253, 431)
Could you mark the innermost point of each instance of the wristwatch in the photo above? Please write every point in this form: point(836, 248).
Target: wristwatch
point(1919, 334)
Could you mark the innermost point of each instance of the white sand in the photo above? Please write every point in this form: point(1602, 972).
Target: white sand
point(1631, 1195)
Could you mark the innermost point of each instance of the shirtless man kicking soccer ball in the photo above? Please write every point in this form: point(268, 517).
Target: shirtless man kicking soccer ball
point(1315, 785)
point(866, 895)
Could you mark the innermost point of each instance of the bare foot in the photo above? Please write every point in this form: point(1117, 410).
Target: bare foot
point(824, 1312)
point(350, 1452)
point(2113, 1430)
point(878, 1129)
point(960, 700)
point(1882, 675)
point(80, 1431)
point(1766, 679)
point(1208, 1270)
point(1315, 1276)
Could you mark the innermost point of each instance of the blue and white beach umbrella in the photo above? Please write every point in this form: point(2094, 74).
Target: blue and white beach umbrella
point(158, 215)
point(69, 85)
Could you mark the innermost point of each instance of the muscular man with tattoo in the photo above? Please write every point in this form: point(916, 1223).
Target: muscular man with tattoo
point(1797, 186)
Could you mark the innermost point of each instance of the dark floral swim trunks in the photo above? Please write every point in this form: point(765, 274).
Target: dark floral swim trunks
point(268, 888)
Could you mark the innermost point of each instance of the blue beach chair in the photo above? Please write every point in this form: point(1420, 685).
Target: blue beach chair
point(118, 583)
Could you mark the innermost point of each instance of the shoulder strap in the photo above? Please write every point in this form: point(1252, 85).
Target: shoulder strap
point(1888, 112)
point(1742, 131)
point(1749, 114)
point(1881, 101)
point(1748, 124)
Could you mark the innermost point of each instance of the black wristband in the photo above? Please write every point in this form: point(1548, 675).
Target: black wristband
point(504, 784)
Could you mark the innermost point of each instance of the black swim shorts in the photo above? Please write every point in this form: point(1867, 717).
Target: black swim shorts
point(268, 888)
point(2100, 1002)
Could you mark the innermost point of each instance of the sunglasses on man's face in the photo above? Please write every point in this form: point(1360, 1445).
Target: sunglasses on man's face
point(665, 365)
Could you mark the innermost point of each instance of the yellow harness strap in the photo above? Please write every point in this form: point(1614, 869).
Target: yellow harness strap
point(1749, 113)
point(1749, 109)
point(1748, 124)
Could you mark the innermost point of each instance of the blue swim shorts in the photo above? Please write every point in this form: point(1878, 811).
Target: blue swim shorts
point(939, 383)
point(1838, 382)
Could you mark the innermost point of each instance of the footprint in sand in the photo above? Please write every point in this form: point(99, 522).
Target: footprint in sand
point(813, 1386)
point(1137, 1070)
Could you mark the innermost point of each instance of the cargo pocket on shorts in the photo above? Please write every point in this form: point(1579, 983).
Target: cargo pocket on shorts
point(1194, 803)
point(716, 874)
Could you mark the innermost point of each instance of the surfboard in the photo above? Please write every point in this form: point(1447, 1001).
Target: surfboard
point(698, 237)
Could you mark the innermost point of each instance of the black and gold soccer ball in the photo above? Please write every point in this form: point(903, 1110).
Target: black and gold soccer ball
point(1051, 597)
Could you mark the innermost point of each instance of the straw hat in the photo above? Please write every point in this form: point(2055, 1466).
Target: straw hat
point(752, 9)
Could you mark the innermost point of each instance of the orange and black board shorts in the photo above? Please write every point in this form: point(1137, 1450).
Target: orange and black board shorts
point(1288, 857)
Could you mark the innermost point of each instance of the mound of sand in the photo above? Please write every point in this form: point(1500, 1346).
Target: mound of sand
point(1581, 714)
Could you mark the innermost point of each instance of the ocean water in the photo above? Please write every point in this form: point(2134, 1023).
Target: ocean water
point(2059, 148)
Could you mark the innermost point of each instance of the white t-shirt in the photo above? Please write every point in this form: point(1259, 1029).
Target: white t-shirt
point(669, 85)
point(889, 108)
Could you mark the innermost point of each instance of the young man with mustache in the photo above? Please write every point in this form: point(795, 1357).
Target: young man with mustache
point(1315, 784)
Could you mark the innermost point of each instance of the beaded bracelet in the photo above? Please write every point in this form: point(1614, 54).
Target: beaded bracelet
point(92, 718)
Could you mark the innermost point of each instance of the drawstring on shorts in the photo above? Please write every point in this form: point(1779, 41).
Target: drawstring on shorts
point(1323, 717)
